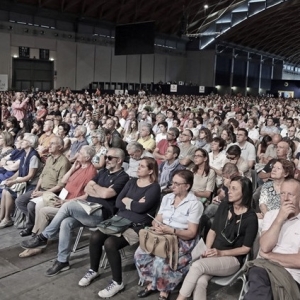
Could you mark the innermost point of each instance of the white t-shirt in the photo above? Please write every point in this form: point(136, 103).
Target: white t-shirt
point(289, 237)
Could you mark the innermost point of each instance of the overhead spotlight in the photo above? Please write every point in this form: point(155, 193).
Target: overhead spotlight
point(205, 6)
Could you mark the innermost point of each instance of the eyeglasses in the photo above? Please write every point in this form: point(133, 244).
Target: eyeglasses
point(238, 233)
point(230, 158)
point(177, 183)
point(109, 157)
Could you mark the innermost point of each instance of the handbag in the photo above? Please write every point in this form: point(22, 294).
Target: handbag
point(114, 225)
point(161, 245)
point(18, 188)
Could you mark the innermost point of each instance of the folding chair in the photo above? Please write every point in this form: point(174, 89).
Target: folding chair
point(77, 239)
point(79, 236)
point(104, 260)
point(240, 274)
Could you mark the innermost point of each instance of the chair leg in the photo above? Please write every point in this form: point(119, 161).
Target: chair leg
point(104, 260)
point(77, 239)
point(244, 287)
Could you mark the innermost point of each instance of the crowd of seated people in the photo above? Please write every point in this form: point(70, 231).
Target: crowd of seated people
point(220, 162)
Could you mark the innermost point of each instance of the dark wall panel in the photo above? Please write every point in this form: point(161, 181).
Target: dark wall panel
point(223, 69)
point(239, 73)
point(253, 74)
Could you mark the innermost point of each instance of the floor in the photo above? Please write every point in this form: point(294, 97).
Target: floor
point(23, 278)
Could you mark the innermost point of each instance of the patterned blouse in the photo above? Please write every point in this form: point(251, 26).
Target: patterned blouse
point(269, 197)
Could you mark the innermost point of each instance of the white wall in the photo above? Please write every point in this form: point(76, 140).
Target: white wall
point(79, 64)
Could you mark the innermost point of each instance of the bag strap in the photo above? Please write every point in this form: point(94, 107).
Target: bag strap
point(175, 244)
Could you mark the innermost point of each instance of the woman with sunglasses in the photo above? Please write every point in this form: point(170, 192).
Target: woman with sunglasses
point(228, 241)
point(204, 176)
point(179, 214)
point(139, 198)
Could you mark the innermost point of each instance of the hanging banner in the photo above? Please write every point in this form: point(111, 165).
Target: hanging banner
point(173, 88)
point(3, 82)
point(201, 89)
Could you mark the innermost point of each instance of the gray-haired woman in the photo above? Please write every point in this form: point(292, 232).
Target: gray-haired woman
point(98, 139)
point(30, 165)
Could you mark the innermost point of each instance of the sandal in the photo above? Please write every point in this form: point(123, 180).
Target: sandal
point(164, 297)
point(144, 293)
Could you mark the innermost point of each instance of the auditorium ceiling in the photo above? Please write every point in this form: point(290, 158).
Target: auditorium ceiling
point(273, 30)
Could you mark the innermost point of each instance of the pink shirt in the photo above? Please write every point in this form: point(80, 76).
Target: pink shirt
point(18, 110)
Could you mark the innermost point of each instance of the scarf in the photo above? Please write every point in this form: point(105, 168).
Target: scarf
point(166, 172)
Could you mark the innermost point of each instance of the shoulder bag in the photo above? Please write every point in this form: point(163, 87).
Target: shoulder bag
point(161, 245)
point(114, 225)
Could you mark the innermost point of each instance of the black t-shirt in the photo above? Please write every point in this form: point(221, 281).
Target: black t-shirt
point(139, 210)
point(268, 167)
point(117, 181)
point(55, 113)
point(238, 231)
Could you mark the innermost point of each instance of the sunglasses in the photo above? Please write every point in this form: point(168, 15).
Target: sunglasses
point(109, 157)
point(231, 241)
point(230, 158)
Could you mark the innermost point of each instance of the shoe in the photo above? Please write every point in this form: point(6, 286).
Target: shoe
point(57, 268)
point(25, 232)
point(88, 278)
point(6, 223)
point(36, 241)
point(112, 289)
point(144, 293)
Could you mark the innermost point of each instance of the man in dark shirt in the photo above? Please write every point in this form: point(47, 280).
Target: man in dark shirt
point(108, 183)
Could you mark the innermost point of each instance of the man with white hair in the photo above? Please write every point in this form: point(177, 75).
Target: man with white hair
point(75, 180)
point(145, 138)
point(136, 152)
point(57, 165)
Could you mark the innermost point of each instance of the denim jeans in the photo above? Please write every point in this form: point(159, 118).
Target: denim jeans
point(71, 215)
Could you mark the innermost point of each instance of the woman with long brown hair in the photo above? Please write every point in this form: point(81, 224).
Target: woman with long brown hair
point(204, 176)
point(139, 197)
